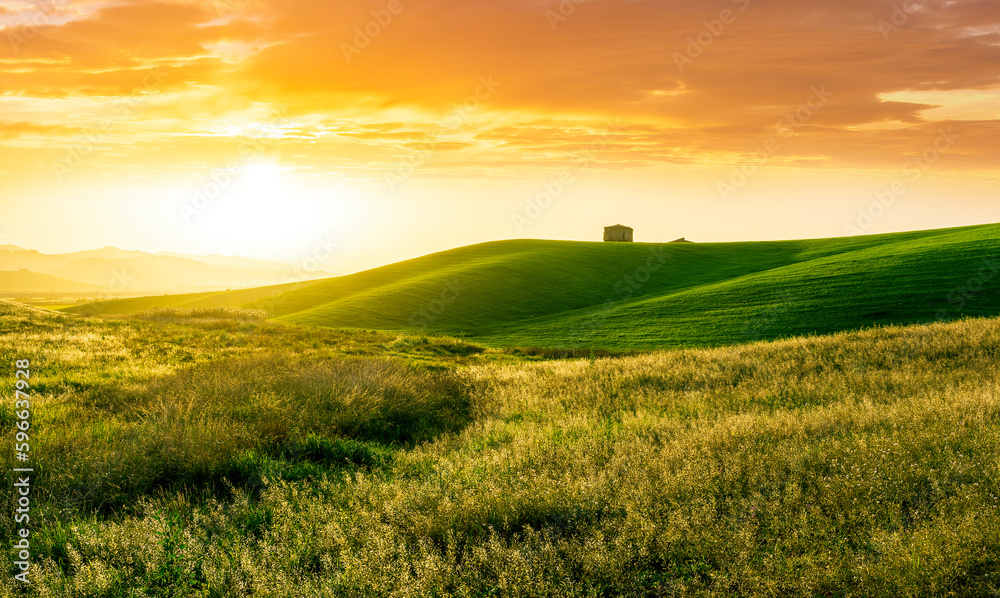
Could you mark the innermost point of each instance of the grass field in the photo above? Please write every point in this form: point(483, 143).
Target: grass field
point(643, 296)
point(219, 453)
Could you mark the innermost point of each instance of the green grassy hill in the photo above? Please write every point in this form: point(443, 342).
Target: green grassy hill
point(578, 294)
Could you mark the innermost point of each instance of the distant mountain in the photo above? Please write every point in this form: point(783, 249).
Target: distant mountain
point(229, 261)
point(105, 253)
point(18, 258)
point(150, 273)
point(24, 283)
point(124, 272)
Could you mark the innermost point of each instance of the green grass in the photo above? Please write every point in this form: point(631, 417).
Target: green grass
point(216, 452)
point(599, 295)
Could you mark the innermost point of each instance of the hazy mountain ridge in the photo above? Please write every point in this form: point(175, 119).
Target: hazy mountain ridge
point(114, 271)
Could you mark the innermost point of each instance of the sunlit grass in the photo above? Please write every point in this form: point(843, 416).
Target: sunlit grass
point(230, 455)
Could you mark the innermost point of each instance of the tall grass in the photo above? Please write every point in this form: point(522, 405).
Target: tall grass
point(235, 420)
point(859, 464)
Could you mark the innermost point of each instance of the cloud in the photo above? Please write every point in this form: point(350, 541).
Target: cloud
point(693, 82)
point(16, 130)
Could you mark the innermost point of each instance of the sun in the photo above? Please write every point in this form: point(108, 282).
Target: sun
point(267, 209)
point(264, 172)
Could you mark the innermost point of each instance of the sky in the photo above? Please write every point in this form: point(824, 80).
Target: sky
point(362, 132)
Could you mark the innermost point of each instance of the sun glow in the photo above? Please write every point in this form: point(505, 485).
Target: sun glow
point(268, 207)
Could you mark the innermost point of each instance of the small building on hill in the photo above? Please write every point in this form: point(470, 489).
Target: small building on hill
point(618, 233)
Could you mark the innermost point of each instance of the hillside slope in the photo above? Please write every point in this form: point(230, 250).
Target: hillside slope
point(20, 283)
point(564, 294)
point(906, 281)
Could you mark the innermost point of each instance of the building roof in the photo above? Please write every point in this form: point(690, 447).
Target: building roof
point(618, 226)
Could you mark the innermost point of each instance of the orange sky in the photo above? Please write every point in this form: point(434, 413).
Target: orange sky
point(438, 125)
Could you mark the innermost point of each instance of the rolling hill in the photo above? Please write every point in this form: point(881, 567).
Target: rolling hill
point(23, 284)
point(637, 295)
